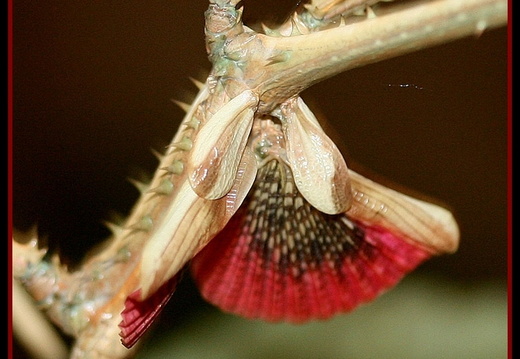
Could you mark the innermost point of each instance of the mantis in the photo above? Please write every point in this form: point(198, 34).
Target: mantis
point(251, 163)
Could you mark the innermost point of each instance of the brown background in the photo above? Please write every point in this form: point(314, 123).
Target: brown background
point(92, 87)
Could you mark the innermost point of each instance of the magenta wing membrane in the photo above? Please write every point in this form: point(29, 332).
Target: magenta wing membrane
point(281, 259)
point(245, 281)
point(139, 315)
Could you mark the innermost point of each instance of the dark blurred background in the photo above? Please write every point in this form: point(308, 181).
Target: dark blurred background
point(93, 82)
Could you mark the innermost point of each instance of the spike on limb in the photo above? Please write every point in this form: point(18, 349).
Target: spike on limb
point(481, 26)
point(176, 167)
point(193, 123)
point(277, 58)
point(342, 21)
point(157, 154)
point(287, 30)
point(370, 13)
point(140, 186)
point(197, 83)
point(183, 105)
point(115, 229)
point(144, 224)
point(185, 144)
point(165, 187)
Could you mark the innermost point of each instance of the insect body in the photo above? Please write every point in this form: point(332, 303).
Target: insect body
point(252, 196)
point(285, 242)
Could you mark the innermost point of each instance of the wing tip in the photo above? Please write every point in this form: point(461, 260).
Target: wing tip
point(138, 315)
